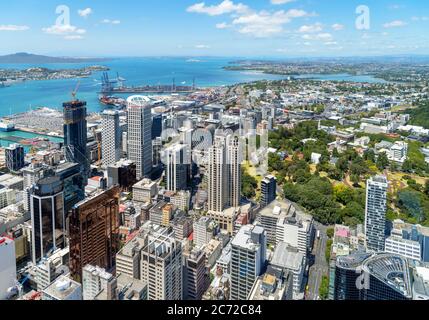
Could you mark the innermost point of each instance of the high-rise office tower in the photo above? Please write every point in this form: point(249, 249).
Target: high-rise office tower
point(218, 191)
point(234, 155)
point(110, 137)
point(94, 232)
point(14, 155)
point(75, 134)
point(195, 275)
point(375, 213)
point(177, 167)
point(268, 190)
point(156, 126)
point(347, 271)
point(74, 184)
point(381, 276)
point(248, 258)
point(388, 277)
point(139, 120)
point(47, 217)
point(161, 266)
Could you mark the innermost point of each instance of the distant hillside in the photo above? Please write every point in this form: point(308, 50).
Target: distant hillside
point(34, 58)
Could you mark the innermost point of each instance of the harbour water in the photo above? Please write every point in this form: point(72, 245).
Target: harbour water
point(207, 72)
point(8, 138)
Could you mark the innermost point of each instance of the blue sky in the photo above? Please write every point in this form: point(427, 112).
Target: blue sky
point(253, 28)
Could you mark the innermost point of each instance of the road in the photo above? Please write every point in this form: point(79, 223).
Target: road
point(320, 266)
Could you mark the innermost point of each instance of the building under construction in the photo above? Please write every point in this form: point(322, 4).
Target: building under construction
point(94, 232)
point(75, 134)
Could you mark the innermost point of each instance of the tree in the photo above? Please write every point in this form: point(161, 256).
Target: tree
point(343, 164)
point(249, 184)
point(426, 189)
point(382, 161)
point(407, 166)
point(355, 180)
point(324, 288)
point(343, 194)
point(369, 155)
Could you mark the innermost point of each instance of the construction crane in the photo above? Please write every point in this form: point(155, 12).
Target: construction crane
point(76, 89)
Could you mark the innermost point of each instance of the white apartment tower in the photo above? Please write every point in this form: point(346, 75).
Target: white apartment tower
point(139, 120)
point(375, 213)
point(203, 231)
point(161, 267)
point(248, 258)
point(110, 137)
point(95, 280)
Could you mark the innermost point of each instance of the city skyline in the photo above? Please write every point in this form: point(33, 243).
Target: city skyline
point(276, 28)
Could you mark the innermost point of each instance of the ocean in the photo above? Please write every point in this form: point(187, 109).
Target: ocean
point(208, 72)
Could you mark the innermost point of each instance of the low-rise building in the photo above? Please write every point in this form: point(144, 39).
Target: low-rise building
point(63, 289)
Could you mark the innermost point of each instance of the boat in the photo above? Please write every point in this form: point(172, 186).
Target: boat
point(112, 101)
point(7, 126)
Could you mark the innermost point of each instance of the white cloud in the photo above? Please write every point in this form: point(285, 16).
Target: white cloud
point(395, 6)
point(73, 37)
point(202, 46)
point(222, 25)
point(327, 37)
point(12, 27)
point(317, 27)
point(85, 13)
point(337, 27)
point(277, 2)
point(264, 23)
point(226, 6)
point(108, 21)
point(395, 24)
point(65, 29)
point(420, 18)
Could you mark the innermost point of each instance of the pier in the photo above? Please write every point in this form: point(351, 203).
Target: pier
point(108, 87)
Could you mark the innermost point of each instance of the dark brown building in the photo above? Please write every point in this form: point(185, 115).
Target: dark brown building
point(94, 232)
point(123, 173)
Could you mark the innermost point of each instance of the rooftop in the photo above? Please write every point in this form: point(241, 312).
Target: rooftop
point(391, 269)
point(287, 257)
point(245, 239)
point(62, 288)
point(352, 261)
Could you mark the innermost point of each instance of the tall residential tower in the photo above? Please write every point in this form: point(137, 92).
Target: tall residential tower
point(375, 213)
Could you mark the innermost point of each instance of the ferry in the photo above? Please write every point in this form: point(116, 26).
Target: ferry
point(7, 126)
